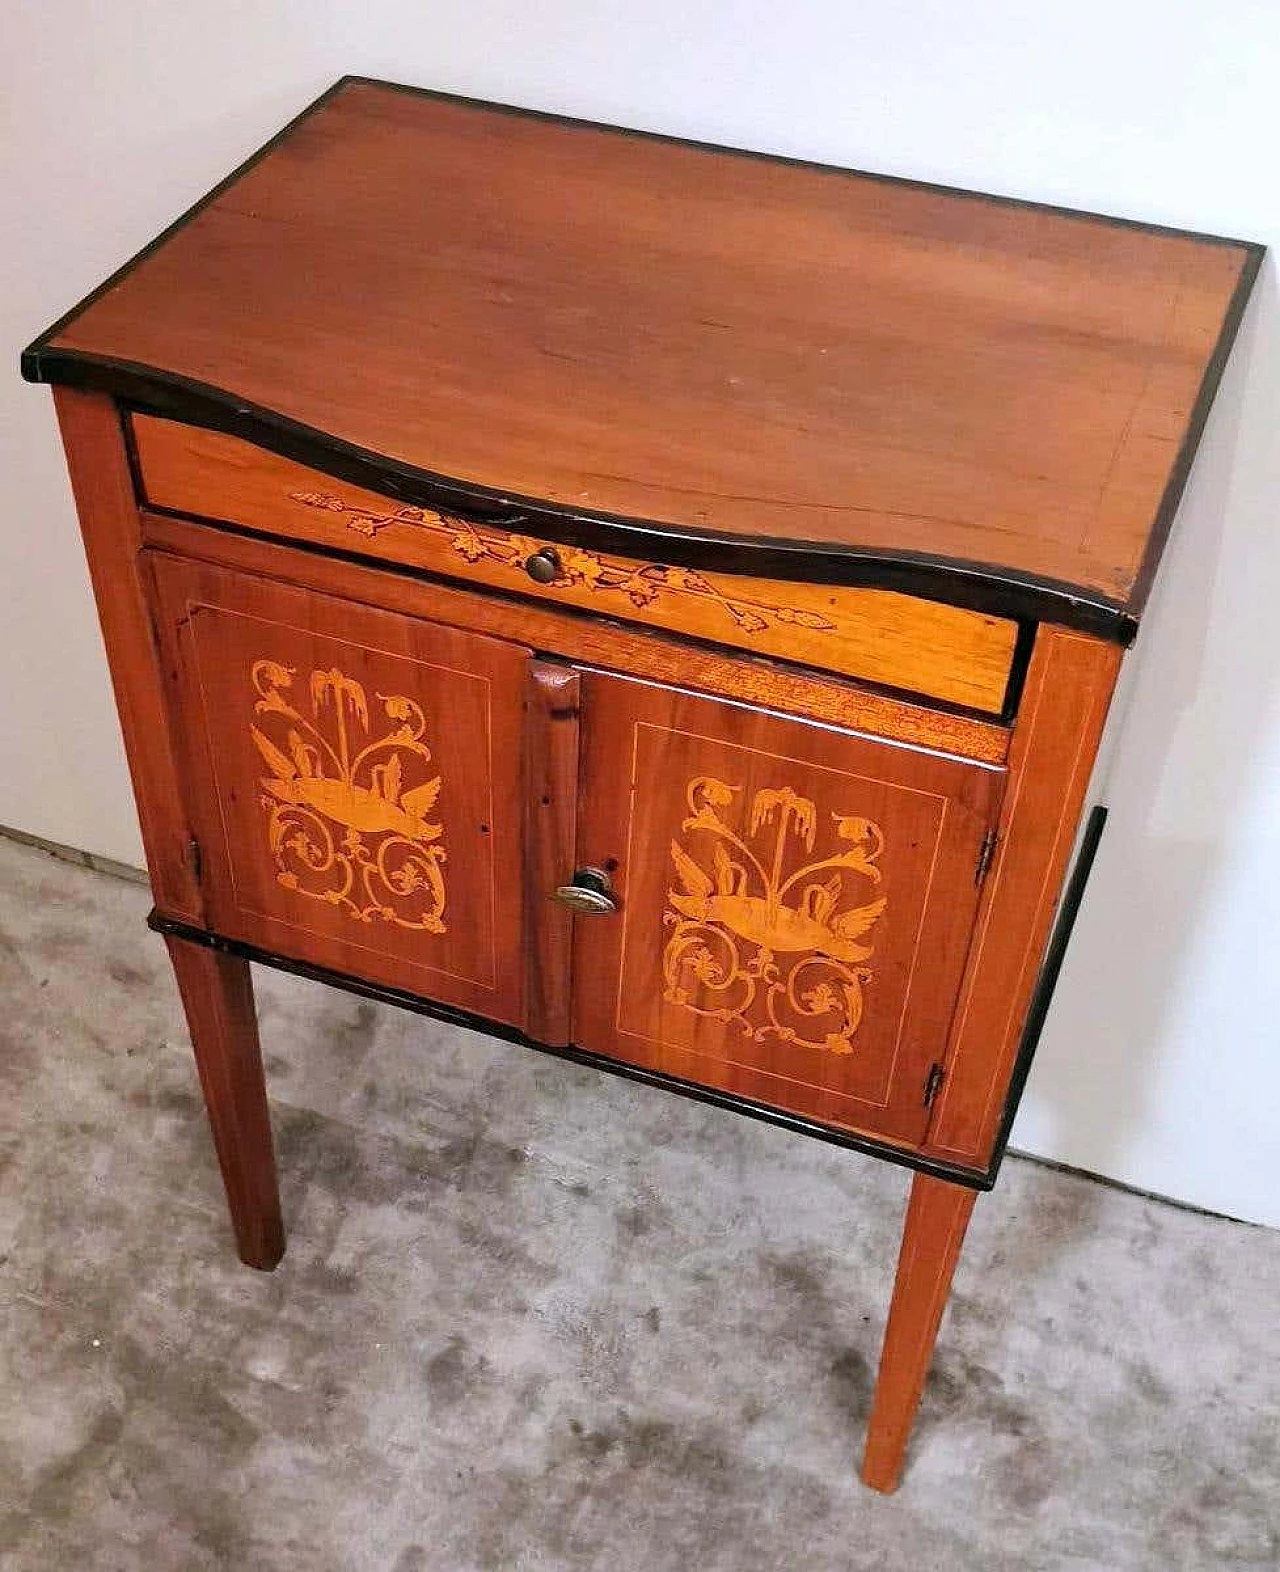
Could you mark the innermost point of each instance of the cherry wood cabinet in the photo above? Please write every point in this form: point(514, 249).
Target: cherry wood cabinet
point(657, 603)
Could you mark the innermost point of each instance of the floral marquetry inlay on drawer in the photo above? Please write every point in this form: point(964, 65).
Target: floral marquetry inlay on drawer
point(638, 584)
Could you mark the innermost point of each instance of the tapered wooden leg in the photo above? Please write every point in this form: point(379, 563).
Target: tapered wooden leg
point(217, 995)
point(937, 1216)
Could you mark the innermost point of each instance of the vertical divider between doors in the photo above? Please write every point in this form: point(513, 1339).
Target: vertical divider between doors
point(551, 805)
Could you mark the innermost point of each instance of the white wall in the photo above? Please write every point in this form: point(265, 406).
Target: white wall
point(1161, 1064)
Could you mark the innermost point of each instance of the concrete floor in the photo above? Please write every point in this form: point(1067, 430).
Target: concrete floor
point(533, 1317)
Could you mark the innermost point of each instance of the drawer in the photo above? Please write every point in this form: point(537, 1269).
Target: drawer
point(946, 653)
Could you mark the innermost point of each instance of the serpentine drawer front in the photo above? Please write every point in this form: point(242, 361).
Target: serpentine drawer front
point(654, 603)
point(964, 657)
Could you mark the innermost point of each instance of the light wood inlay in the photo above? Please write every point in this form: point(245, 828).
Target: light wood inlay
point(371, 740)
point(371, 843)
point(962, 657)
point(853, 1053)
point(758, 941)
point(326, 770)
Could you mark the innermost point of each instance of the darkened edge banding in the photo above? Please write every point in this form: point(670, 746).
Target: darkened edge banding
point(1018, 668)
point(33, 357)
point(790, 161)
point(1001, 718)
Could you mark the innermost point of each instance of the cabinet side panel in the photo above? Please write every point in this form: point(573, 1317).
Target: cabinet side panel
point(103, 490)
point(1069, 686)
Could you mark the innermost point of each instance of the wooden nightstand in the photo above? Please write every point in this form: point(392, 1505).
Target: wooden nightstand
point(656, 602)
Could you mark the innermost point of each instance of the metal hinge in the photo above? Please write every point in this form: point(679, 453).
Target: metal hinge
point(195, 858)
point(985, 854)
point(933, 1083)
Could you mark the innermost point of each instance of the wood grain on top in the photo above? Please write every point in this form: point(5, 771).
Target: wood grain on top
point(713, 342)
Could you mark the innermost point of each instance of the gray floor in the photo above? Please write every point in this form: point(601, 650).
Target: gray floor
point(533, 1317)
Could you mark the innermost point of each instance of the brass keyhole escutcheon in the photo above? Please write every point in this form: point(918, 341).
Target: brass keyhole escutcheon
point(589, 893)
point(543, 565)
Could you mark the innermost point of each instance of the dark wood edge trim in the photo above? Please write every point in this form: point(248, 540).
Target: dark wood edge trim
point(134, 459)
point(1181, 471)
point(916, 697)
point(974, 586)
point(1050, 969)
point(32, 367)
point(974, 1179)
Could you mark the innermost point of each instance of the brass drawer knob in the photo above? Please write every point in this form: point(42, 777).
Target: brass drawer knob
point(543, 566)
point(588, 893)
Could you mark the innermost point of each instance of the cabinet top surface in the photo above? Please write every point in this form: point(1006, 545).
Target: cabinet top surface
point(908, 382)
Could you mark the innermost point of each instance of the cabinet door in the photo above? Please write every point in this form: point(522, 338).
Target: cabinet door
point(795, 903)
point(356, 782)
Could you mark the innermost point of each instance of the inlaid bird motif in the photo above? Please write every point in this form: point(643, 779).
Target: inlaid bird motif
point(744, 897)
point(386, 864)
point(811, 921)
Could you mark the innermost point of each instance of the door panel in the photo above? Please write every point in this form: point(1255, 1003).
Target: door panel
point(357, 782)
point(795, 902)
